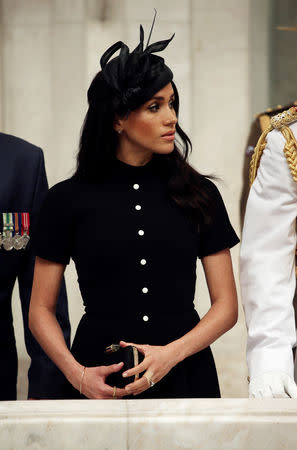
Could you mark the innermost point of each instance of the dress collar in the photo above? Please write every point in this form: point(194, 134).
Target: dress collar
point(135, 170)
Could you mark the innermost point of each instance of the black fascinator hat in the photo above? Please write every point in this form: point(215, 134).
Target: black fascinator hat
point(134, 77)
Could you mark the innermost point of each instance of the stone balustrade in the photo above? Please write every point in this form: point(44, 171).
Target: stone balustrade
point(149, 424)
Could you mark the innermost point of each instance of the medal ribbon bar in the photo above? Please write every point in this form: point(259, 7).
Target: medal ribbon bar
point(25, 229)
point(8, 229)
point(17, 238)
point(15, 233)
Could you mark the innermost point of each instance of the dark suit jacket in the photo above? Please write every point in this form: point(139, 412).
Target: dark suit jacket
point(23, 186)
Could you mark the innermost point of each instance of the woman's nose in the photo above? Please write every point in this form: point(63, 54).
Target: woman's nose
point(170, 117)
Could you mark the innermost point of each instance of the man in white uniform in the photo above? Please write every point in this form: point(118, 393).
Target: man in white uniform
point(268, 277)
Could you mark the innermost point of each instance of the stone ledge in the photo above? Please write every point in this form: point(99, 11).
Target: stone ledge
point(149, 424)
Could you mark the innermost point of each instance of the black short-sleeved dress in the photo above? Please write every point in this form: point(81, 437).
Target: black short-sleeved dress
point(135, 253)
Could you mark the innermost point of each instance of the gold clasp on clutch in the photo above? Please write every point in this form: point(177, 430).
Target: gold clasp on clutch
point(112, 348)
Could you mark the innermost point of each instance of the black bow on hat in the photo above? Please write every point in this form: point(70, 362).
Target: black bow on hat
point(135, 77)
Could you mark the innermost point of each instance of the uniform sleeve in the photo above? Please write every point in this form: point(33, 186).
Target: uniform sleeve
point(219, 234)
point(267, 263)
point(53, 236)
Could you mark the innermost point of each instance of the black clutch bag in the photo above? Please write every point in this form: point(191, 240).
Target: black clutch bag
point(130, 356)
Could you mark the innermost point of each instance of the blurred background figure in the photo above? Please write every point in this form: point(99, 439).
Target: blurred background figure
point(268, 269)
point(269, 235)
point(22, 191)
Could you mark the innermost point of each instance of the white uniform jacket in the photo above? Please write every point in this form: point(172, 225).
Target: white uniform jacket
point(268, 262)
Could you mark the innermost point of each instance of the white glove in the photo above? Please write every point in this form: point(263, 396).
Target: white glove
point(272, 385)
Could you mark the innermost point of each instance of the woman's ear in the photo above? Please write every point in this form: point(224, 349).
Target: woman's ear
point(118, 124)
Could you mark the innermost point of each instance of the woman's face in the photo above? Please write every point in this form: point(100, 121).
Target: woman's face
point(151, 127)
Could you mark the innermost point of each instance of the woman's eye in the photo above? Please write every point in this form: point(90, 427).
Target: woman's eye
point(171, 104)
point(154, 107)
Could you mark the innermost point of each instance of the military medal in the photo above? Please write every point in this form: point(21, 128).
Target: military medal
point(25, 229)
point(7, 231)
point(8, 243)
point(17, 238)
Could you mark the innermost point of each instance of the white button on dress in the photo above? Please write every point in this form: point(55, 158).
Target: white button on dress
point(138, 207)
point(140, 232)
point(145, 318)
point(135, 186)
point(145, 290)
point(143, 262)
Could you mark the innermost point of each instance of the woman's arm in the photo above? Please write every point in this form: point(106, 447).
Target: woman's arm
point(46, 329)
point(222, 316)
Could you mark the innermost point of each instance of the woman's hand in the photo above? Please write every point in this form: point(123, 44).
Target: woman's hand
point(93, 384)
point(158, 361)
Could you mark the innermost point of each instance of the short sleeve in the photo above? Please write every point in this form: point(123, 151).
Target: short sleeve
point(219, 234)
point(54, 231)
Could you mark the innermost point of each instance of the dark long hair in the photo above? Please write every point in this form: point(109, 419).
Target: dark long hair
point(97, 148)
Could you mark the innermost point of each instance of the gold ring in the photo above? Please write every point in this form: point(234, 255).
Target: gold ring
point(114, 394)
point(149, 380)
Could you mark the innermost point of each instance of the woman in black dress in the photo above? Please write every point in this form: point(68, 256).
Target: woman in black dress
point(134, 218)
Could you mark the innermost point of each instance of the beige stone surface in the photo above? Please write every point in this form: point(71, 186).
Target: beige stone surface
point(172, 12)
point(68, 99)
point(149, 424)
point(26, 82)
point(259, 55)
point(68, 11)
point(29, 12)
point(105, 10)
point(220, 56)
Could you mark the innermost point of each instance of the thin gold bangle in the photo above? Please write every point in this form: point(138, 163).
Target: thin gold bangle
point(114, 394)
point(81, 379)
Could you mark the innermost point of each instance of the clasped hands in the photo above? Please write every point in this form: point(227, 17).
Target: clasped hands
point(157, 362)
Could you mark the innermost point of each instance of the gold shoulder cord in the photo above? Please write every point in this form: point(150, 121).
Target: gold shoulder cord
point(280, 122)
point(290, 150)
point(255, 161)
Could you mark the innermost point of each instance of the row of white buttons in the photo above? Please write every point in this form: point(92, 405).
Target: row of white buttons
point(136, 187)
point(142, 261)
point(145, 289)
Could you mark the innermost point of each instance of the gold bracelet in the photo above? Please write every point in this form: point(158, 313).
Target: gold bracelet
point(114, 394)
point(81, 379)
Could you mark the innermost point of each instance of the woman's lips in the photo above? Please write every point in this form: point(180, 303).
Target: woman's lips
point(169, 136)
